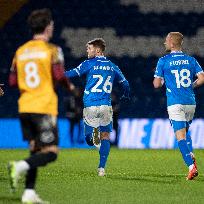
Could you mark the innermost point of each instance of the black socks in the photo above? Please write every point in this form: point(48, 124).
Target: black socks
point(41, 159)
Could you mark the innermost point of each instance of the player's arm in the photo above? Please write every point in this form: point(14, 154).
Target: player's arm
point(123, 83)
point(199, 81)
point(13, 74)
point(58, 70)
point(158, 75)
point(59, 76)
point(158, 82)
point(200, 75)
point(78, 71)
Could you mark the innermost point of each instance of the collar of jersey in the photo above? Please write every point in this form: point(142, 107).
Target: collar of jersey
point(176, 52)
point(100, 57)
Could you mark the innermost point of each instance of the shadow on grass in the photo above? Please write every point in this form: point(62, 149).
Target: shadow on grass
point(3, 179)
point(9, 199)
point(151, 178)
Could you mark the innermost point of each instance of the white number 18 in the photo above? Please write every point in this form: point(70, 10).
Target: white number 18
point(182, 78)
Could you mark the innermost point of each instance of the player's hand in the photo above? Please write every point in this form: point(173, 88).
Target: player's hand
point(71, 88)
point(1, 90)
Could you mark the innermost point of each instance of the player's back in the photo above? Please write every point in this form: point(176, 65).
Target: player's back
point(99, 82)
point(33, 61)
point(179, 71)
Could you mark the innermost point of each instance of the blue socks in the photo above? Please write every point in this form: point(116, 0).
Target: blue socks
point(89, 139)
point(104, 152)
point(189, 142)
point(185, 152)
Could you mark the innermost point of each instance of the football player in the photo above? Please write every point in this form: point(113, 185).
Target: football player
point(177, 71)
point(100, 73)
point(36, 66)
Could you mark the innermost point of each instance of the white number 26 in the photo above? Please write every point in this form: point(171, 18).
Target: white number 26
point(107, 87)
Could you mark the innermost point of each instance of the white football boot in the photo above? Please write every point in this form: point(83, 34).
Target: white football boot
point(31, 197)
point(101, 172)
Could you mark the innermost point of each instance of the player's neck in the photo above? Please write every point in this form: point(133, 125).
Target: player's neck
point(176, 50)
point(40, 37)
point(99, 55)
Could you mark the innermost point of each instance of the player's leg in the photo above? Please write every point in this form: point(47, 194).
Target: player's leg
point(46, 140)
point(91, 123)
point(106, 126)
point(189, 141)
point(31, 173)
point(47, 143)
point(190, 111)
point(186, 154)
point(103, 151)
point(190, 146)
point(18, 168)
point(88, 131)
point(182, 143)
point(177, 116)
point(189, 114)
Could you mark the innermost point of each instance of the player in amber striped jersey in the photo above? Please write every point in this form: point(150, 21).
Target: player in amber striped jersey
point(36, 66)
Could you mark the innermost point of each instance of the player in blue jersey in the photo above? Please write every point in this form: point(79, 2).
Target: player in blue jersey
point(177, 70)
point(100, 74)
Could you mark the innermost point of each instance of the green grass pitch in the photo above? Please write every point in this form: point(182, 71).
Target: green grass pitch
point(133, 176)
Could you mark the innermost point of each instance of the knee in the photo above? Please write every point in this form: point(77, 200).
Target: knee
point(105, 136)
point(52, 156)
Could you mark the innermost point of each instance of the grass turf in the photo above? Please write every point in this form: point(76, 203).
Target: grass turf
point(133, 176)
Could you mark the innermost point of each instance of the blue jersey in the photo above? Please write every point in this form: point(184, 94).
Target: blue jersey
point(178, 71)
point(100, 74)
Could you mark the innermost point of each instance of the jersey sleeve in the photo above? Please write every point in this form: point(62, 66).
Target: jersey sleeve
point(57, 63)
point(82, 69)
point(197, 68)
point(57, 56)
point(13, 73)
point(58, 68)
point(159, 73)
point(120, 78)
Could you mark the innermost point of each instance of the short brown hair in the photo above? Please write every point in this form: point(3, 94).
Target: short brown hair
point(98, 42)
point(177, 38)
point(39, 20)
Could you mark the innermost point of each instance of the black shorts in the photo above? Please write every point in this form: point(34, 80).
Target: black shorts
point(41, 128)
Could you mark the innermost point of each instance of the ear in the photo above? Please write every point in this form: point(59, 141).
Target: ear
point(98, 50)
point(172, 44)
point(46, 29)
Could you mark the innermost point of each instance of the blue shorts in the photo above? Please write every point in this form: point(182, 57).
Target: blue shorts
point(178, 125)
point(180, 115)
point(89, 130)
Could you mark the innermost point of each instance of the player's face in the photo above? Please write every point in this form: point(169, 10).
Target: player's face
point(91, 51)
point(167, 43)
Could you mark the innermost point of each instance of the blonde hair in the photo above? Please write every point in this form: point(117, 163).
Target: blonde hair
point(177, 38)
